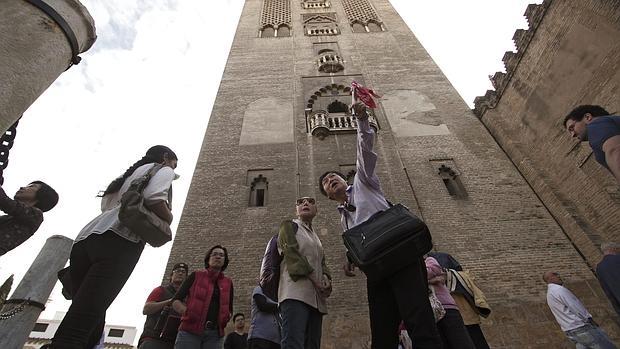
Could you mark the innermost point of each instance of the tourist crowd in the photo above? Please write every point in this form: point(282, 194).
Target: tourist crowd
point(423, 300)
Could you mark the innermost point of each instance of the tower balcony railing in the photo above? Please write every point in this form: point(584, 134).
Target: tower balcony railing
point(330, 63)
point(312, 5)
point(321, 123)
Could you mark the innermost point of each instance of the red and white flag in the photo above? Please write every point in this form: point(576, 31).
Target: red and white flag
point(365, 95)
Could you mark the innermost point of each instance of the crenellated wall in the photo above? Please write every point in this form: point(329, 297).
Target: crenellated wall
point(522, 37)
point(569, 56)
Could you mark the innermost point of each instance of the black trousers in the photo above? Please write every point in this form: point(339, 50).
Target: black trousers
point(259, 343)
point(476, 335)
point(453, 333)
point(402, 296)
point(100, 266)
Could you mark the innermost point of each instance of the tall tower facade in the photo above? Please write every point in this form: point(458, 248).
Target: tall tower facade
point(280, 120)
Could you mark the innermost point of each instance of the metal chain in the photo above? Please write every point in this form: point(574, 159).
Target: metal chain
point(21, 304)
point(6, 143)
point(9, 314)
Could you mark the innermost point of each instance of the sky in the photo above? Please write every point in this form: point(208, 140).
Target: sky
point(151, 78)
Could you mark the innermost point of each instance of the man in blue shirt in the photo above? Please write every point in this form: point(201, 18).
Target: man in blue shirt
point(608, 273)
point(594, 124)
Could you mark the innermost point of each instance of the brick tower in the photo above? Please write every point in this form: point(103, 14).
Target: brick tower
point(280, 120)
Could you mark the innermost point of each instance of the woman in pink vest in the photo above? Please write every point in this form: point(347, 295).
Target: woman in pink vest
point(451, 327)
point(206, 301)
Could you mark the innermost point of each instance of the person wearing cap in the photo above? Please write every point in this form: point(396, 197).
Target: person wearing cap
point(158, 311)
point(305, 280)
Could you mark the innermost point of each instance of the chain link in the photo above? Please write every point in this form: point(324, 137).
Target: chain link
point(6, 143)
point(9, 314)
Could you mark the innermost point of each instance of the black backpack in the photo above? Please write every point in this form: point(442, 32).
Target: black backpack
point(270, 267)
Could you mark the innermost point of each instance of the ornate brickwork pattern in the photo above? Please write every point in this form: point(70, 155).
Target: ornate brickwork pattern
point(276, 13)
point(317, 24)
point(319, 17)
point(360, 11)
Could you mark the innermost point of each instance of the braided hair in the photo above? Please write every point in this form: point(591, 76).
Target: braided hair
point(155, 154)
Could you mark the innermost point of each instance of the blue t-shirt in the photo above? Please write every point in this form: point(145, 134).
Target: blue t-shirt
point(600, 129)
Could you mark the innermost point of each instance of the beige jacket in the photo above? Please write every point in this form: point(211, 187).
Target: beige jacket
point(303, 257)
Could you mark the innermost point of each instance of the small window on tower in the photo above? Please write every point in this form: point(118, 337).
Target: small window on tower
point(452, 182)
point(258, 191)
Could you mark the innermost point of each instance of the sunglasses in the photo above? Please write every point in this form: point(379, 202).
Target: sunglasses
point(300, 201)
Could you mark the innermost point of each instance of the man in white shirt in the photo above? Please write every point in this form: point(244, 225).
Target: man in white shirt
point(573, 317)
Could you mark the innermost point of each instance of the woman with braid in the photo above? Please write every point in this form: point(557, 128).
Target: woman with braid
point(105, 252)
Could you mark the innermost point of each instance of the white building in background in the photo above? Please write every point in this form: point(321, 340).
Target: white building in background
point(116, 336)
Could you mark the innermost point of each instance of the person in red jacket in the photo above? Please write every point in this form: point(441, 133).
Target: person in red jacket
point(206, 301)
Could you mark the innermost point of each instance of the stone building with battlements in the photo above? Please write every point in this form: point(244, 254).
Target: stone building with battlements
point(280, 120)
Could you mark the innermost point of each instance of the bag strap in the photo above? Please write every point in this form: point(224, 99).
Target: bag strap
point(153, 171)
point(140, 183)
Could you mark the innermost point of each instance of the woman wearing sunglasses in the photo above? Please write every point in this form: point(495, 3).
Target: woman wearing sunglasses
point(305, 281)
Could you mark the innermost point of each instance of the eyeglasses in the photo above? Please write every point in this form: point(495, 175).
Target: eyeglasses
point(300, 201)
point(217, 254)
point(179, 271)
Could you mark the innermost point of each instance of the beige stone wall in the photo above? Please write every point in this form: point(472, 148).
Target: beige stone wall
point(568, 57)
point(501, 230)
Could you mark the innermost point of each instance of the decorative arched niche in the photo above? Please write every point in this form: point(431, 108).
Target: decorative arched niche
point(327, 112)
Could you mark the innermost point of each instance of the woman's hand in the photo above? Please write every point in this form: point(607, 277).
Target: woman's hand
point(349, 268)
point(327, 287)
point(161, 209)
point(439, 279)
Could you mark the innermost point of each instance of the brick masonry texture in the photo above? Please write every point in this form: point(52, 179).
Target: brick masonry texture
point(502, 231)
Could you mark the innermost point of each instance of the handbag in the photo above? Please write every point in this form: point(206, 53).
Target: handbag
point(387, 242)
point(138, 218)
point(438, 310)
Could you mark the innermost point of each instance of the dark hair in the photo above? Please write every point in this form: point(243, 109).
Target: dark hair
point(46, 197)
point(237, 315)
point(155, 154)
point(578, 113)
point(226, 260)
point(325, 175)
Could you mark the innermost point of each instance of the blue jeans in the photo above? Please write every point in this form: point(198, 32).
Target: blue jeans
point(210, 339)
point(590, 337)
point(301, 325)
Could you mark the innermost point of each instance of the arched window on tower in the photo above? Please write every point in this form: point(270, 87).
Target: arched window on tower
point(358, 27)
point(267, 32)
point(452, 182)
point(284, 31)
point(337, 107)
point(374, 26)
point(258, 191)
